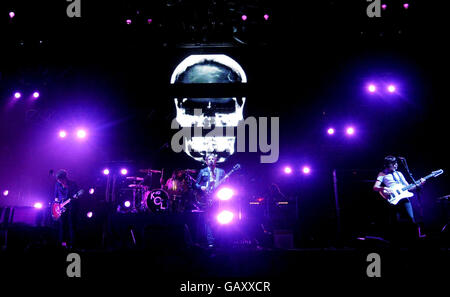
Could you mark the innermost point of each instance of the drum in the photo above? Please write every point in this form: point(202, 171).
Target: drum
point(156, 200)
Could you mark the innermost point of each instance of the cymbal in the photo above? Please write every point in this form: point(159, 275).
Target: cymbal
point(136, 186)
point(444, 197)
point(137, 178)
point(149, 170)
point(190, 170)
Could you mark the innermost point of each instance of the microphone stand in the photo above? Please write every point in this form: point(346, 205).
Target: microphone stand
point(418, 189)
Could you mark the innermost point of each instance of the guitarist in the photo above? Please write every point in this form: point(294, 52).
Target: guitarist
point(388, 177)
point(64, 189)
point(207, 178)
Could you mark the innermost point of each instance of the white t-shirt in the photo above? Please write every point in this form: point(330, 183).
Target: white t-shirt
point(391, 179)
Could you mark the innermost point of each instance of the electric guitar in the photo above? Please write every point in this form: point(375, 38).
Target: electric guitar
point(206, 195)
point(399, 191)
point(58, 207)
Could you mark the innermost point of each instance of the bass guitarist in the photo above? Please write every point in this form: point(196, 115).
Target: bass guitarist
point(388, 178)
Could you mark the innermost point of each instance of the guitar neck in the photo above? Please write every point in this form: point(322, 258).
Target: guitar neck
point(413, 185)
point(65, 202)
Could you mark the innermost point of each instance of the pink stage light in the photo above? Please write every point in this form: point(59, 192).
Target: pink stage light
point(91, 191)
point(306, 170)
point(371, 88)
point(106, 171)
point(330, 131)
point(38, 205)
point(149, 21)
point(90, 214)
point(127, 203)
point(5, 193)
point(12, 14)
point(287, 170)
point(128, 22)
point(350, 131)
point(35, 95)
point(81, 134)
point(62, 134)
point(383, 6)
point(406, 5)
point(244, 17)
point(17, 95)
point(123, 171)
point(225, 217)
point(266, 17)
point(225, 194)
point(391, 88)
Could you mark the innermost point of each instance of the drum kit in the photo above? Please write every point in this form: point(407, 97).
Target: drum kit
point(175, 196)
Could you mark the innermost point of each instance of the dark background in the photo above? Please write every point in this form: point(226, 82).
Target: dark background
point(307, 65)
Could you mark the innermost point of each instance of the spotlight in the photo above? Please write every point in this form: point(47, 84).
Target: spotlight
point(225, 194)
point(106, 171)
point(127, 203)
point(406, 5)
point(371, 88)
point(287, 170)
point(383, 6)
point(244, 17)
point(306, 169)
point(266, 17)
point(149, 21)
point(62, 134)
point(35, 95)
point(225, 217)
point(123, 171)
point(17, 95)
point(330, 131)
point(81, 134)
point(89, 214)
point(38, 205)
point(12, 14)
point(391, 88)
point(128, 21)
point(350, 131)
point(91, 191)
point(5, 193)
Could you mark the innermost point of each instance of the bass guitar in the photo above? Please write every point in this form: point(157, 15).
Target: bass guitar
point(398, 191)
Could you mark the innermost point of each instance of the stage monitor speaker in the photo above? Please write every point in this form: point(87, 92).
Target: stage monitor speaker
point(27, 215)
point(283, 239)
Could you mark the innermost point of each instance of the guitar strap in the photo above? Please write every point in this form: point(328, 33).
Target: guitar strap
point(399, 178)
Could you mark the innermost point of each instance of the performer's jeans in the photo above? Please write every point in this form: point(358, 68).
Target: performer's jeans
point(404, 211)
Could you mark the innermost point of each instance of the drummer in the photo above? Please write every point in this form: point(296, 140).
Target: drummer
point(177, 188)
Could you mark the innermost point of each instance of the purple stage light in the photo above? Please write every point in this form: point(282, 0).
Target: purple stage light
point(12, 14)
point(244, 17)
point(81, 133)
point(17, 95)
point(91, 191)
point(287, 170)
point(127, 203)
point(105, 171)
point(38, 205)
point(225, 217)
point(350, 130)
point(266, 17)
point(5, 193)
point(123, 171)
point(383, 6)
point(330, 131)
point(406, 5)
point(391, 88)
point(306, 170)
point(62, 134)
point(371, 88)
point(90, 214)
point(128, 21)
point(149, 21)
point(35, 95)
point(225, 194)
